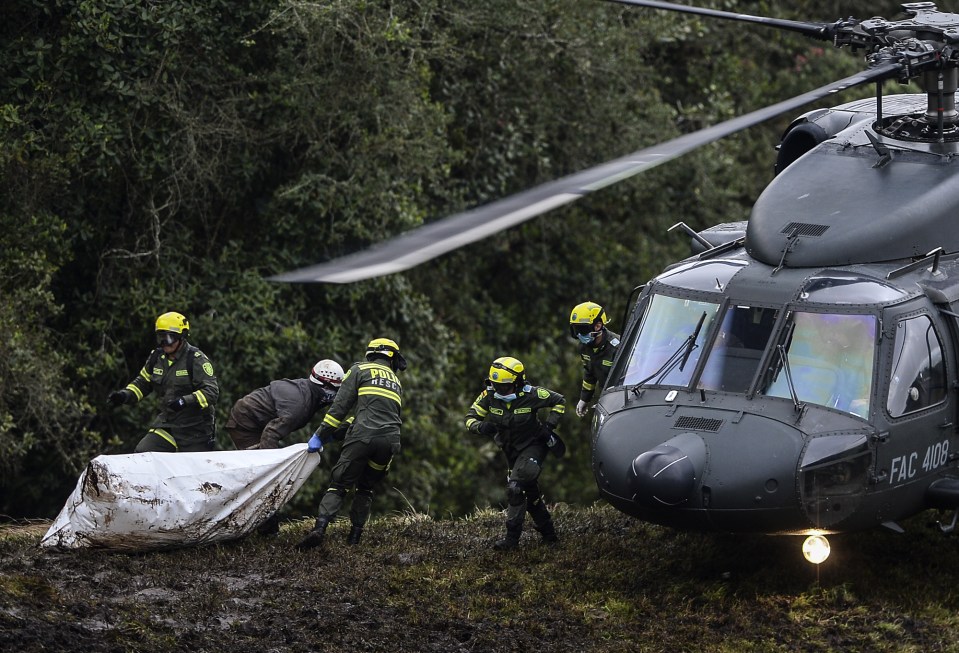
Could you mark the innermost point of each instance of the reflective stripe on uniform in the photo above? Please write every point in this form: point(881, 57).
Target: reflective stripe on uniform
point(332, 421)
point(379, 467)
point(201, 399)
point(144, 374)
point(380, 392)
point(558, 408)
point(482, 412)
point(166, 436)
point(135, 390)
point(588, 386)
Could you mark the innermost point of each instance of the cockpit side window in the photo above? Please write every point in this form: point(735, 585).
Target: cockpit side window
point(830, 360)
point(918, 378)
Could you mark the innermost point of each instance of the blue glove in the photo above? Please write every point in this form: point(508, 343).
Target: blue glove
point(315, 445)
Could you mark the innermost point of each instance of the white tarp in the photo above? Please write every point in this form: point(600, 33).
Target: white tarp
point(145, 501)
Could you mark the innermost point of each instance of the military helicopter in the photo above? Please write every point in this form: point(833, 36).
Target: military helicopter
point(796, 374)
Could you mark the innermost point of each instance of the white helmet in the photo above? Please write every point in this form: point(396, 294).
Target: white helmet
point(327, 371)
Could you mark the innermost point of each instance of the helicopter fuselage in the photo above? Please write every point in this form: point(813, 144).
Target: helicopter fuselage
point(786, 382)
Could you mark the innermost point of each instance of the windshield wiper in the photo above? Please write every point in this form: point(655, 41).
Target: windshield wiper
point(691, 341)
point(685, 349)
point(789, 376)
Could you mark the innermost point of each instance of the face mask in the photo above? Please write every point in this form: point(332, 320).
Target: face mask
point(509, 397)
point(587, 338)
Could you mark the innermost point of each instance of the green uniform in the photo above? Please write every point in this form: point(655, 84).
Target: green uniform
point(522, 437)
point(189, 374)
point(597, 361)
point(373, 393)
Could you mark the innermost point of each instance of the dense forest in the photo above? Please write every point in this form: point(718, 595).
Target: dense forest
point(159, 156)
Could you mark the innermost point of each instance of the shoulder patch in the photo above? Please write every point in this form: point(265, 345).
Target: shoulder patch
point(208, 368)
point(614, 342)
point(542, 393)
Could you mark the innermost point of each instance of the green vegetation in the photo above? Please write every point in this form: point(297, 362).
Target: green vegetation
point(173, 155)
point(417, 584)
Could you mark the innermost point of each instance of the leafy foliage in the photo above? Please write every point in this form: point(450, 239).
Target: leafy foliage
point(173, 155)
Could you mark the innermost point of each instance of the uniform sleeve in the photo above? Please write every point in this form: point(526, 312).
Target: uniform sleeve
point(557, 407)
point(206, 388)
point(274, 431)
point(343, 428)
point(141, 386)
point(292, 412)
point(589, 381)
point(477, 412)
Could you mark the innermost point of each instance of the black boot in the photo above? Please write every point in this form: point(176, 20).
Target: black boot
point(511, 541)
point(314, 538)
point(548, 532)
point(356, 532)
point(271, 526)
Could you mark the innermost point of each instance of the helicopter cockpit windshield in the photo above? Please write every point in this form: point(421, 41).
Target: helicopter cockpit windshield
point(674, 329)
point(670, 342)
point(830, 358)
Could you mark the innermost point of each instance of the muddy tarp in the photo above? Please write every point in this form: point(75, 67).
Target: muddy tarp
point(145, 501)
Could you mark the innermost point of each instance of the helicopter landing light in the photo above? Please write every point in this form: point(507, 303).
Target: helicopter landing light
point(816, 549)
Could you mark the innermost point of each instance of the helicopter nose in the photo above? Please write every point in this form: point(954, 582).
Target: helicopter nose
point(668, 473)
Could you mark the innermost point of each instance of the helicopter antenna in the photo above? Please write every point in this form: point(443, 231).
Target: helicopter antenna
point(933, 256)
point(791, 240)
point(885, 154)
point(692, 234)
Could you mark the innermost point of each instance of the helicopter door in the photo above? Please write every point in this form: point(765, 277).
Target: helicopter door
point(950, 315)
point(917, 378)
point(917, 403)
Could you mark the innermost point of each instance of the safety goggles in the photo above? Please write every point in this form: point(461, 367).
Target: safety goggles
point(167, 338)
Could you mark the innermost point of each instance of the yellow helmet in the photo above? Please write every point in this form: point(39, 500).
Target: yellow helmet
point(583, 317)
point(388, 349)
point(507, 369)
point(170, 327)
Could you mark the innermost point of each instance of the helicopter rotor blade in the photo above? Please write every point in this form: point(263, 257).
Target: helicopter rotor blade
point(815, 30)
point(436, 238)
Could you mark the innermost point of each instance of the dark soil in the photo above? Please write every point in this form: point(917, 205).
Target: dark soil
point(415, 584)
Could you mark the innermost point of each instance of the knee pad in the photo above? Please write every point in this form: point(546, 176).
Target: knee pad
point(515, 495)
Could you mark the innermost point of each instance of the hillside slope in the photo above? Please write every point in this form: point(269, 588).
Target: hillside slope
point(418, 584)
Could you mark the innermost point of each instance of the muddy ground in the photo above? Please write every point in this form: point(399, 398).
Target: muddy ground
point(416, 584)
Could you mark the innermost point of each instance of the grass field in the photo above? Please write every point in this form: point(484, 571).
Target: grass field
point(613, 584)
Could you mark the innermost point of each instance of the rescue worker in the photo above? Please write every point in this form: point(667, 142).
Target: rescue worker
point(182, 378)
point(597, 348)
point(508, 411)
point(263, 418)
point(372, 391)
